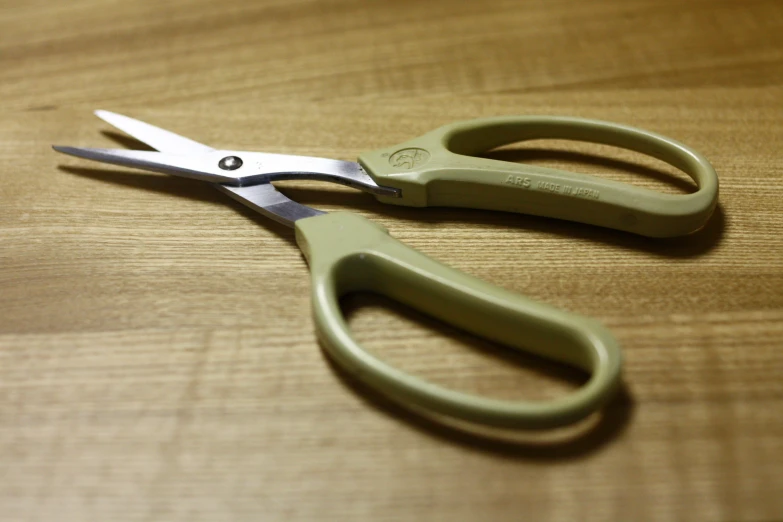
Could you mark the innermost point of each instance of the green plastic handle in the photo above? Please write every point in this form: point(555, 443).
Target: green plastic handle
point(438, 169)
point(348, 253)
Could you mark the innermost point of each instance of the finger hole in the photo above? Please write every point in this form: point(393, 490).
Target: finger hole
point(450, 357)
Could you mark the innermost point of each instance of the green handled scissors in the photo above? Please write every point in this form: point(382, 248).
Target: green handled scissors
point(347, 253)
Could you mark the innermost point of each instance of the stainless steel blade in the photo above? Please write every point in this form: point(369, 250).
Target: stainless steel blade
point(262, 198)
point(237, 167)
point(184, 166)
point(155, 137)
point(266, 200)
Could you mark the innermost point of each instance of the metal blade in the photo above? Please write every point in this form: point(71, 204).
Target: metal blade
point(248, 168)
point(266, 200)
point(155, 137)
point(184, 166)
point(262, 198)
point(251, 171)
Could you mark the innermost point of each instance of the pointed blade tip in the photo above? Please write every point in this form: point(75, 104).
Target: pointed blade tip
point(78, 151)
point(105, 115)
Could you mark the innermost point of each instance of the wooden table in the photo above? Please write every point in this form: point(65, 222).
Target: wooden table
point(157, 356)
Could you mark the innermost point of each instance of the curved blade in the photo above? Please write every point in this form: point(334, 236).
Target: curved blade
point(155, 137)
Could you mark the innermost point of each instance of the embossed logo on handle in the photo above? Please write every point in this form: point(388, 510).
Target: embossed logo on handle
point(409, 158)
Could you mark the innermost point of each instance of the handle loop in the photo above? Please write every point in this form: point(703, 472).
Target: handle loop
point(348, 253)
point(438, 169)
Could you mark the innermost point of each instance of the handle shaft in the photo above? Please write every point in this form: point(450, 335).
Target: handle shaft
point(438, 169)
point(348, 253)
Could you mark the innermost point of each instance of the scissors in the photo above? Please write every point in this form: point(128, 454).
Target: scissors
point(348, 253)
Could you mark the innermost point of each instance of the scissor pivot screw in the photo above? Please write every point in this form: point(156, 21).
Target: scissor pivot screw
point(230, 163)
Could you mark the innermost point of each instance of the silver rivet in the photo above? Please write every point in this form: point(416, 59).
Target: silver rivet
point(230, 163)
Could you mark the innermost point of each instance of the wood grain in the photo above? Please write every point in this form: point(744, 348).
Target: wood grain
point(157, 357)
